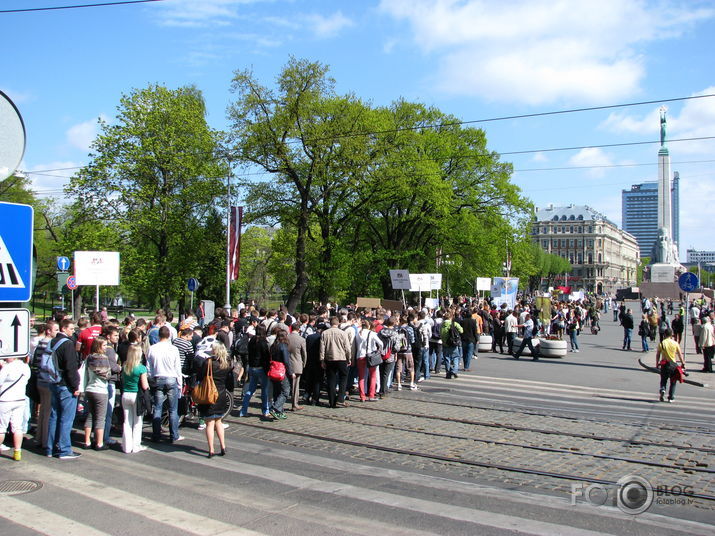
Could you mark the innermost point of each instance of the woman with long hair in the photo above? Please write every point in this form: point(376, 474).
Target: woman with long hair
point(281, 388)
point(259, 357)
point(97, 371)
point(367, 375)
point(134, 377)
point(212, 414)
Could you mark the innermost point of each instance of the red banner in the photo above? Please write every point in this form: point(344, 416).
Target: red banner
point(234, 244)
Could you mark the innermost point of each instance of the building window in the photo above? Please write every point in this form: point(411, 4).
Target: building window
point(579, 230)
point(590, 229)
point(546, 244)
point(571, 242)
point(580, 258)
point(590, 258)
point(555, 243)
point(571, 231)
point(563, 243)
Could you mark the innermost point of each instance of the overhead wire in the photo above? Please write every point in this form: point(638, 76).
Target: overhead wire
point(77, 6)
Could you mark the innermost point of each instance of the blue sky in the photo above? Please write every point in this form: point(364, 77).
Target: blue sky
point(473, 59)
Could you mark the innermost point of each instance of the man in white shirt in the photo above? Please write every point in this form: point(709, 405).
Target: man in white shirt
point(510, 328)
point(164, 364)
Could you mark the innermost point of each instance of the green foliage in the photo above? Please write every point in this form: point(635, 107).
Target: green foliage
point(154, 176)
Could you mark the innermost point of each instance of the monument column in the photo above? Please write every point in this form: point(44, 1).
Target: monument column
point(664, 202)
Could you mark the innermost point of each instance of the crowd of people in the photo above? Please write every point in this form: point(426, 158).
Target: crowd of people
point(333, 356)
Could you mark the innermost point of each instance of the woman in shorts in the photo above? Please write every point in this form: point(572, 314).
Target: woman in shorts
point(14, 375)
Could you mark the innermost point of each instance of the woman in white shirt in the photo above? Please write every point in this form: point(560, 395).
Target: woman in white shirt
point(14, 375)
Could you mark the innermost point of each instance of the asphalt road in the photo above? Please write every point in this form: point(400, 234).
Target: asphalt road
point(416, 463)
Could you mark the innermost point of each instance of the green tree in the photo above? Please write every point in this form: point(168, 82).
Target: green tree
point(154, 175)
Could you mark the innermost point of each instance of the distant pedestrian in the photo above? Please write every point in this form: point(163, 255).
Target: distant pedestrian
point(644, 332)
point(627, 323)
point(528, 327)
point(666, 358)
point(707, 344)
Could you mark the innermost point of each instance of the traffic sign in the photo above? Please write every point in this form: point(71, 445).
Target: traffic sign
point(61, 280)
point(193, 284)
point(71, 282)
point(16, 223)
point(688, 282)
point(14, 333)
point(63, 264)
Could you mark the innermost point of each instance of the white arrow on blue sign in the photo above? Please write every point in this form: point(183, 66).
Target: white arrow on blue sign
point(193, 284)
point(688, 282)
point(63, 264)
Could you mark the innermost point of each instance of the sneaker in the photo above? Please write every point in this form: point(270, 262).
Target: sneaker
point(224, 425)
point(202, 426)
point(662, 397)
point(671, 400)
point(273, 413)
point(71, 456)
point(454, 375)
point(420, 380)
point(282, 416)
point(17, 455)
point(4, 447)
point(399, 387)
point(180, 438)
point(413, 387)
point(140, 448)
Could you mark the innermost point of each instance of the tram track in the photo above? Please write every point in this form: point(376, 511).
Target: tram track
point(450, 459)
point(519, 428)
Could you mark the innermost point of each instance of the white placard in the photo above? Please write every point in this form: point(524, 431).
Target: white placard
point(435, 281)
point(419, 282)
point(432, 303)
point(400, 279)
point(96, 268)
point(484, 283)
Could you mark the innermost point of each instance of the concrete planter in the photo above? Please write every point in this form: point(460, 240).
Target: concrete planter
point(485, 343)
point(550, 348)
point(517, 344)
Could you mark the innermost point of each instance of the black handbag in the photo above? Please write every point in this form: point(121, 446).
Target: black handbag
point(373, 358)
point(144, 402)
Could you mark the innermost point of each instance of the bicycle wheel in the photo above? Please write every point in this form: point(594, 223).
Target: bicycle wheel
point(229, 405)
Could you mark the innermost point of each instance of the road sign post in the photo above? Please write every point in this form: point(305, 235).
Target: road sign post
point(688, 282)
point(193, 285)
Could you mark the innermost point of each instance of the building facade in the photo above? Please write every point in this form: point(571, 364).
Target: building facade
point(602, 256)
point(639, 210)
point(696, 256)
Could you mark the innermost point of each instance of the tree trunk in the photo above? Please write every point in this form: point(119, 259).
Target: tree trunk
point(301, 280)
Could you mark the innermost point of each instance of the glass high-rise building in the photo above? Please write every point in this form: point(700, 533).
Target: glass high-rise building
point(639, 211)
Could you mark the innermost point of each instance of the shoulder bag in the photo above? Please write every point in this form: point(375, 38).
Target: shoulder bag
point(205, 393)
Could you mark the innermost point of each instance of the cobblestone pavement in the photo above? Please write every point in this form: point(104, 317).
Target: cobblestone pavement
point(418, 421)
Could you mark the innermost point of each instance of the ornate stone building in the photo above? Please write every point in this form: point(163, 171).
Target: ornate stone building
point(603, 257)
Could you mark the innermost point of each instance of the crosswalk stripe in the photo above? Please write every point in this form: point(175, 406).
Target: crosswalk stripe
point(154, 510)
point(456, 513)
point(262, 503)
point(48, 523)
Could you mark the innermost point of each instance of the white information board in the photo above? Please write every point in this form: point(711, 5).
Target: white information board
point(420, 282)
point(93, 268)
point(435, 281)
point(484, 283)
point(400, 279)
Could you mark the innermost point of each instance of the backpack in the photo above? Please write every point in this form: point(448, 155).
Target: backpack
point(403, 345)
point(49, 371)
point(240, 344)
point(417, 345)
point(454, 338)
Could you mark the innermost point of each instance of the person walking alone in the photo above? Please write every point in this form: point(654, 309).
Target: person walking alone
point(666, 358)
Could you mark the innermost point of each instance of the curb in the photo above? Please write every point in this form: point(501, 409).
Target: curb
point(655, 370)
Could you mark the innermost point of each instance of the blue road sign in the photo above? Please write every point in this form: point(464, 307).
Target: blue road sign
point(16, 223)
point(63, 264)
point(193, 284)
point(688, 282)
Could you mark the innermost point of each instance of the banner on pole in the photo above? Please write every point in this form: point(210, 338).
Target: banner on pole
point(400, 279)
point(94, 268)
point(483, 283)
point(504, 289)
point(419, 282)
point(435, 281)
point(234, 246)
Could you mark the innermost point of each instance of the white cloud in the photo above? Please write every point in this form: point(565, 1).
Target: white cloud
point(695, 120)
point(83, 134)
point(18, 97)
point(538, 51)
point(327, 26)
point(49, 179)
point(539, 157)
point(195, 14)
point(592, 156)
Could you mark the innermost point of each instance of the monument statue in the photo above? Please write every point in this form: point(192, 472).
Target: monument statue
point(662, 110)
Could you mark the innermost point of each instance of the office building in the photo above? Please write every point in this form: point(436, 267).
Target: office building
point(639, 209)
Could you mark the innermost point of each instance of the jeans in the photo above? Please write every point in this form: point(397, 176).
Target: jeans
point(615, 314)
point(59, 429)
point(510, 342)
point(667, 372)
point(644, 342)
point(166, 388)
point(574, 341)
point(467, 353)
point(111, 397)
point(424, 369)
point(281, 393)
point(256, 375)
point(451, 360)
point(627, 338)
point(435, 356)
point(386, 369)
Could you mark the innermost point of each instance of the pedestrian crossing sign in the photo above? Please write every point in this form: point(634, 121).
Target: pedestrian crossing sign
point(16, 228)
